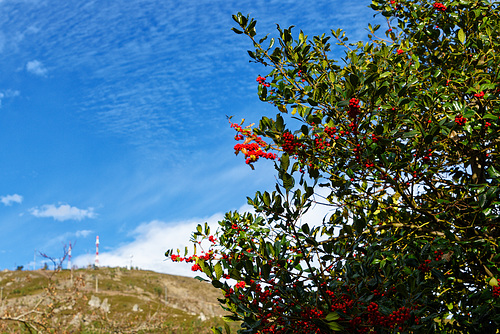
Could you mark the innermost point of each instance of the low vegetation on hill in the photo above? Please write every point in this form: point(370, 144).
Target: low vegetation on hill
point(105, 300)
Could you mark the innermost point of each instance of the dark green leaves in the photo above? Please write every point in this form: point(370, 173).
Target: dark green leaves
point(410, 184)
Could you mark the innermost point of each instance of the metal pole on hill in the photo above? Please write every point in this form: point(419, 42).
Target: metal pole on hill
point(96, 263)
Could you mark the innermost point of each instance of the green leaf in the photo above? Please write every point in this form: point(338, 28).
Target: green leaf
point(218, 271)
point(271, 43)
point(385, 74)
point(411, 134)
point(266, 270)
point(288, 181)
point(217, 330)
point(266, 198)
point(493, 173)
point(279, 123)
point(461, 36)
point(277, 248)
point(493, 282)
point(305, 228)
point(217, 284)
point(353, 78)
point(201, 279)
point(285, 161)
point(237, 31)
point(334, 326)
point(332, 316)
point(490, 116)
point(359, 224)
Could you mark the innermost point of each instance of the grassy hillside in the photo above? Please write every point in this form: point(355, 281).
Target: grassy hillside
point(106, 300)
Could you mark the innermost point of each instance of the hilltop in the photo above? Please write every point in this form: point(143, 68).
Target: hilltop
point(106, 300)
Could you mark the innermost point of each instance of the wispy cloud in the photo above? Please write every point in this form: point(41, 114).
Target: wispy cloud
point(83, 233)
point(62, 212)
point(8, 200)
point(36, 67)
point(7, 94)
point(162, 63)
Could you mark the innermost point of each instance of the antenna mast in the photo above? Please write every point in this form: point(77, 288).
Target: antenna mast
point(96, 263)
point(69, 256)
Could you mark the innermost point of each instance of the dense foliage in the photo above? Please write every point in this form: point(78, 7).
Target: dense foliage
point(400, 139)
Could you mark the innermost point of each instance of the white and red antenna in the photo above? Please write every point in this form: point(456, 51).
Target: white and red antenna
point(69, 256)
point(96, 251)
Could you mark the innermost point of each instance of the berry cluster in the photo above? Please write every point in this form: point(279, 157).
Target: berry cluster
point(252, 146)
point(240, 285)
point(229, 292)
point(439, 6)
point(399, 51)
point(428, 156)
point(320, 143)
point(479, 95)
point(438, 255)
point(373, 317)
point(353, 108)
point(299, 73)
point(253, 152)
point(195, 267)
point(262, 81)
point(424, 267)
point(330, 131)
point(460, 120)
point(343, 304)
point(290, 143)
point(496, 292)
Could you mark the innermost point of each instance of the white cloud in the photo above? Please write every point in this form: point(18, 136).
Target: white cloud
point(36, 67)
point(152, 239)
point(83, 233)
point(9, 199)
point(62, 212)
point(8, 93)
point(147, 250)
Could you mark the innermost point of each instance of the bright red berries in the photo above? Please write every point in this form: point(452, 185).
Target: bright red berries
point(479, 95)
point(399, 51)
point(290, 144)
point(353, 108)
point(330, 131)
point(460, 120)
point(240, 285)
point(439, 6)
point(196, 267)
point(262, 81)
point(496, 292)
point(253, 147)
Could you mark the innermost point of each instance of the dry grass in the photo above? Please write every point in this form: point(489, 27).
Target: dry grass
point(58, 302)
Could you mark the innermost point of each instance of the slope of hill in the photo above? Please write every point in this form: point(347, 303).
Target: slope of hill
point(106, 300)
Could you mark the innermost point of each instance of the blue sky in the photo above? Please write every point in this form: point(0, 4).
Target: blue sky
point(113, 120)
